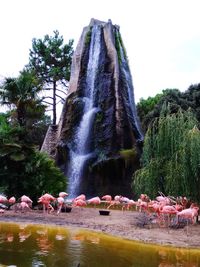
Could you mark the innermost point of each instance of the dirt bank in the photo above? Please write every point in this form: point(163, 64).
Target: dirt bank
point(129, 225)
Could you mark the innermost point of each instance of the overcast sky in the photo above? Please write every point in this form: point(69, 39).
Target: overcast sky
point(162, 37)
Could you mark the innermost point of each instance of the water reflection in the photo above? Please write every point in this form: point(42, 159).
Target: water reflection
point(29, 245)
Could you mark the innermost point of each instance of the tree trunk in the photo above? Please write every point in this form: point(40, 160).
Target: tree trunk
point(54, 102)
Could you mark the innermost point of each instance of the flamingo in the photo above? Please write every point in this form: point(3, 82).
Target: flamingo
point(24, 206)
point(12, 200)
point(144, 197)
point(60, 201)
point(142, 205)
point(45, 200)
point(189, 213)
point(3, 199)
point(124, 201)
point(82, 196)
point(130, 203)
point(94, 200)
point(79, 203)
point(26, 199)
point(168, 210)
point(107, 198)
point(155, 206)
point(63, 194)
point(164, 200)
point(116, 201)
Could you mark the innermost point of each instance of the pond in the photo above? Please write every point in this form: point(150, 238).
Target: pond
point(24, 245)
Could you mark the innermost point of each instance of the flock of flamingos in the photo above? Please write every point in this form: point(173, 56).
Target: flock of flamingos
point(162, 205)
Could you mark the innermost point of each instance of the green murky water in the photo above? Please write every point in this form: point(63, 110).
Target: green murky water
point(29, 245)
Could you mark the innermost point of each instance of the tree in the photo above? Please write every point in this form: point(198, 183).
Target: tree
point(50, 59)
point(171, 159)
point(21, 94)
point(145, 106)
point(149, 109)
point(24, 170)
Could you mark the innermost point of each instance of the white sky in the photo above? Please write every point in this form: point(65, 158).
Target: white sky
point(162, 37)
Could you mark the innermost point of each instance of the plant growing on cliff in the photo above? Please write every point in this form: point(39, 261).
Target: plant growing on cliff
point(120, 47)
point(88, 36)
point(171, 159)
point(50, 60)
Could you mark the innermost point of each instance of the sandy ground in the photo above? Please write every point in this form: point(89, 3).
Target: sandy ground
point(128, 224)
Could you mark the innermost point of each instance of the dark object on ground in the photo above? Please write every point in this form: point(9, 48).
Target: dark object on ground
point(66, 209)
point(104, 212)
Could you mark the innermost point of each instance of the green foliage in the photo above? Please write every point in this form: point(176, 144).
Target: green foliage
point(50, 60)
point(145, 107)
point(27, 113)
point(128, 155)
point(119, 45)
point(88, 36)
point(150, 108)
point(23, 170)
point(170, 160)
point(44, 176)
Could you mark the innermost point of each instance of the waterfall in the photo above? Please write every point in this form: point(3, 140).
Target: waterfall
point(81, 150)
point(129, 102)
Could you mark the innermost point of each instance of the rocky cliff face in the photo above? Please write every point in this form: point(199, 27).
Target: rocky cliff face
point(98, 137)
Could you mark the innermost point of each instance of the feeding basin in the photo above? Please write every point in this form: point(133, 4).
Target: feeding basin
point(104, 212)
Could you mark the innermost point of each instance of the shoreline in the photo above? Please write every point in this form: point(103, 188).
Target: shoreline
point(119, 224)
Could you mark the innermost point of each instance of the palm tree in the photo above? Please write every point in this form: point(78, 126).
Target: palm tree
point(21, 96)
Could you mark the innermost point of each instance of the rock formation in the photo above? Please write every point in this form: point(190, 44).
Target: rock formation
point(98, 138)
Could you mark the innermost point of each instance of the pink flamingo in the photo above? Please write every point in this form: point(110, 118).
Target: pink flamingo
point(95, 201)
point(189, 213)
point(24, 206)
point(130, 203)
point(12, 200)
point(82, 196)
point(79, 203)
point(63, 194)
point(164, 200)
point(107, 199)
point(169, 211)
point(3, 199)
point(45, 200)
point(155, 206)
point(60, 201)
point(26, 199)
point(144, 197)
point(124, 202)
point(116, 201)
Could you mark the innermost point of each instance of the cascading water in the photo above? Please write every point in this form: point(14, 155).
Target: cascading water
point(99, 119)
point(129, 102)
point(81, 150)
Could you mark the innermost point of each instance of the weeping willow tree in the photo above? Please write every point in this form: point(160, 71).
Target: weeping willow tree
point(171, 157)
